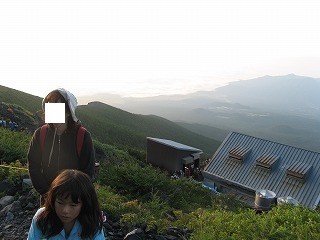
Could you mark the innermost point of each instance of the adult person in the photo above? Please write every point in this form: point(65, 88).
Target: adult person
point(11, 125)
point(4, 123)
point(71, 210)
point(48, 155)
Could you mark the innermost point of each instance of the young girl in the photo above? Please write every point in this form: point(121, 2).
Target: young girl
point(71, 210)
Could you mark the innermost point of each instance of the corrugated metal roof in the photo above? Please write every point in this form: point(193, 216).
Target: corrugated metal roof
point(250, 175)
point(173, 144)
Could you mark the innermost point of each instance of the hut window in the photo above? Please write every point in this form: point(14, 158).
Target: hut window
point(299, 170)
point(266, 161)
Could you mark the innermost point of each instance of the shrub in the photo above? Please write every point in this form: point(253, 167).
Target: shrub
point(189, 195)
point(133, 179)
point(282, 222)
point(13, 145)
point(111, 202)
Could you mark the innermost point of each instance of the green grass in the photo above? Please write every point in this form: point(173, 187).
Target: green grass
point(282, 222)
point(133, 192)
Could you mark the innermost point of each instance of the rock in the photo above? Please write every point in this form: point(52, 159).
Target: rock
point(9, 217)
point(159, 237)
point(30, 206)
point(136, 234)
point(107, 226)
point(7, 226)
point(143, 226)
point(26, 183)
point(6, 200)
point(174, 232)
point(16, 207)
point(115, 225)
point(170, 237)
point(5, 210)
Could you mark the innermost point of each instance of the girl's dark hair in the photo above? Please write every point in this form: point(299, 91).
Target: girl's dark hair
point(78, 185)
point(54, 97)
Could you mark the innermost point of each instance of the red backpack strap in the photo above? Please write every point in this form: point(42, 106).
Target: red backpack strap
point(43, 132)
point(80, 138)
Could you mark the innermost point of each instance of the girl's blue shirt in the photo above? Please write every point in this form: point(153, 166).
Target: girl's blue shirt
point(36, 234)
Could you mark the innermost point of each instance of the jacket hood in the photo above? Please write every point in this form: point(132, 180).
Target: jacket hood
point(70, 99)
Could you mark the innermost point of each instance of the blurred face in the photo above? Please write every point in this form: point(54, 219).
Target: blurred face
point(67, 210)
point(53, 114)
point(58, 99)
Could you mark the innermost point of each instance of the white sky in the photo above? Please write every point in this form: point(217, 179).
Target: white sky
point(148, 47)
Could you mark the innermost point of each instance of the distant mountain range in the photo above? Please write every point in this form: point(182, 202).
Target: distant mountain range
point(285, 109)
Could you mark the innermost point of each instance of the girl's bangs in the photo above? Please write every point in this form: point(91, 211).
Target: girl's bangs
point(69, 189)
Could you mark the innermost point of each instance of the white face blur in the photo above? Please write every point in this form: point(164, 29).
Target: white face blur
point(55, 112)
point(67, 210)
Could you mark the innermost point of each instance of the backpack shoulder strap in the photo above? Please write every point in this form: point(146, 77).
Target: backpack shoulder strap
point(43, 132)
point(80, 138)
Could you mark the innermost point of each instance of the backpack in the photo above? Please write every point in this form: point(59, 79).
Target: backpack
point(80, 137)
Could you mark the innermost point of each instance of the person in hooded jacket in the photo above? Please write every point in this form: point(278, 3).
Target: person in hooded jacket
point(59, 150)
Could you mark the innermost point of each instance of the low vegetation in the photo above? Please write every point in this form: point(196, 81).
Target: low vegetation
point(13, 145)
point(133, 192)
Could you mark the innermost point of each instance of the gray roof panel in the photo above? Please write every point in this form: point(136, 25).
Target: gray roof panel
point(276, 179)
point(173, 144)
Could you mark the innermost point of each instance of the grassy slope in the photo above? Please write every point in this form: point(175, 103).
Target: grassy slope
point(114, 126)
point(27, 101)
point(117, 127)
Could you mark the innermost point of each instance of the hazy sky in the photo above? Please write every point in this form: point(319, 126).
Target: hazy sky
point(147, 47)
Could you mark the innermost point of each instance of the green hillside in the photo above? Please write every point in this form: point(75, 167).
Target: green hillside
point(115, 126)
point(25, 100)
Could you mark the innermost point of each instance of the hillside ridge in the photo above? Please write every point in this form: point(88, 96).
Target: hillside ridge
point(110, 125)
